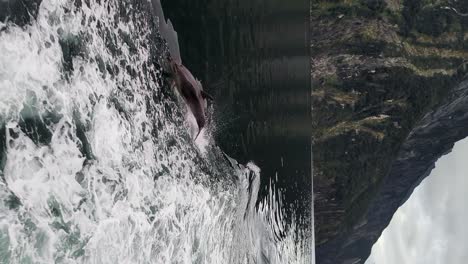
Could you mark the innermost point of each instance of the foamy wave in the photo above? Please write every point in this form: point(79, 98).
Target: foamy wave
point(99, 166)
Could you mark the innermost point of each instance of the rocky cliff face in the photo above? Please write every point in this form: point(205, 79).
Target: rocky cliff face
point(386, 79)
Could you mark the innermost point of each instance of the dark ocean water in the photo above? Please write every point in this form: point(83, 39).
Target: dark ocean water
point(97, 164)
point(253, 56)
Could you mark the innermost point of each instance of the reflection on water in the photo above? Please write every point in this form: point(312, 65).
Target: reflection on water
point(253, 57)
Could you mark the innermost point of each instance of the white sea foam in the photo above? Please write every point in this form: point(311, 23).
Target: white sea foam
point(139, 194)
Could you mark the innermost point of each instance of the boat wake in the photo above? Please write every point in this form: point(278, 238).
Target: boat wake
point(97, 163)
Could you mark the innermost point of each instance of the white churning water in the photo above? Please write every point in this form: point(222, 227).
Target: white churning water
point(98, 165)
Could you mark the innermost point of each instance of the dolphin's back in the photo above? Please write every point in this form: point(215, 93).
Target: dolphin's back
point(191, 91)
point(188, 76)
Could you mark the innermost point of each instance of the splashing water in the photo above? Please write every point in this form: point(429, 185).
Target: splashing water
point(97, 164)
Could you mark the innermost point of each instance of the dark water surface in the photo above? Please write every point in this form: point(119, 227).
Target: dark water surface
point(253, 56)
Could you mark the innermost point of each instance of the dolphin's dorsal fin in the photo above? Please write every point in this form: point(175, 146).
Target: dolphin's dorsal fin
point(199, 131)
point(206, 95)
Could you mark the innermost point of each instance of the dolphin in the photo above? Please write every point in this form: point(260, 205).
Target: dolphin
point(189, 88)
point(191, 91)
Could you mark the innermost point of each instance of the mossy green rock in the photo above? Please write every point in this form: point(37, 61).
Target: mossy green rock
point(378, 67)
